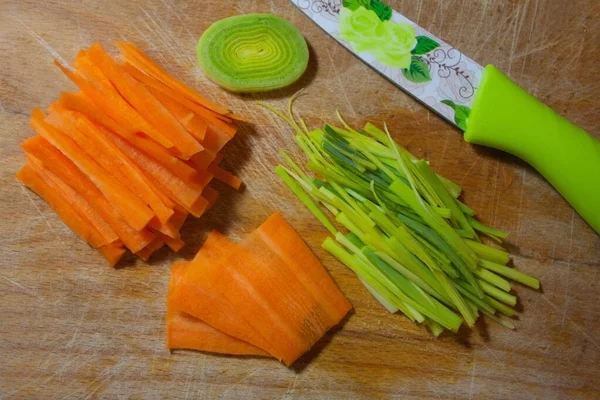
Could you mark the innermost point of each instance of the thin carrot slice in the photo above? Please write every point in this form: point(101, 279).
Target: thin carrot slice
point(68, 172)
point(76, 201)
point(147, 251)
point(213, 119)
point(73, 219)
point(98, 145)
point(174, 244)
point(81, 103)
point(187, 332)
point(112, 253)
point(133, 210)
point(211, 195)
point(277, 235)
point(144, 102)
point(225, 176)
point(109, 100)
point(149, 67)
point(215, 139)
point(192, 122)
point(202, 160)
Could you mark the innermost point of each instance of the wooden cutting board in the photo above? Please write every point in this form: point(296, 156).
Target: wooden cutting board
point(72, 328)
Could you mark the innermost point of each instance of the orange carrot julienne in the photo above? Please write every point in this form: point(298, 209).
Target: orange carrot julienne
point(112, 253)
point(211, 195)
point(81, 103)
point(74, 220)
point(202, 160)
point(133, 210)
point(147, 251)
point(114, 105)
point(58, 164)
point(225, 176)
point(149, 67)
point(144, 102)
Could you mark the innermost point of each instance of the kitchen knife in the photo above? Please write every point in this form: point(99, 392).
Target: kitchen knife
point(486, 104)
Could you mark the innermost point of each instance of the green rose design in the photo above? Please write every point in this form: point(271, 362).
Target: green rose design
point(389, 42)
point(360, 28)
point(383, 11)
point(397, 41)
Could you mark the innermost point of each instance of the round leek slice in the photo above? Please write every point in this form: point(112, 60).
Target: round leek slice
point(253, 53)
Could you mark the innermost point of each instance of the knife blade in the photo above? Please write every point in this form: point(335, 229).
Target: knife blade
point(491, 109)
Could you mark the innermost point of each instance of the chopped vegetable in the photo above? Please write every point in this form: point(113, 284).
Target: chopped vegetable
point(132, 154)
point(269, 291)
point(253, 53)
point(410, 240)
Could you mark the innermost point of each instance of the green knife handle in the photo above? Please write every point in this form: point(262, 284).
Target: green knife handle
point(506, 117)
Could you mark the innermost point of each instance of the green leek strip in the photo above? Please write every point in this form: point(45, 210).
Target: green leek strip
point(380, 298)
point(488, 253)
point(452, 188)
point(498, 294)
point(492, 278)
point(500, 320)
point(253, 53)
point(435, 328)
point(491, 232)
point(305, 199)
point(465, 209)
point(348, 224)
point(511, 273)
point(299, 171)
point(504, 309)
point(467, 292)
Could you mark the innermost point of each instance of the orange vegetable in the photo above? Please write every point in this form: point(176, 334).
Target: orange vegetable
point(145, 64)
point(133, 210)
point(81, 103)
point(225, 176)
point(192, 122)
point(112, 253)
point(187, 332)
point(147, 251)
point(58, 164)
point(152, 110)
point(211, 195)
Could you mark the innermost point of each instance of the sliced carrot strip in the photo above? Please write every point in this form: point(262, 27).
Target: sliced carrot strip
point(149, 67)
point(225, 176)
point(112, 253)
point(147, 251)
point(76, 201)
point(135, 212)
point(215, 139)
point(81, 103)
point(194, 125)
point(203, 159)
point(64, 168)
point(187, 332)
point(144, 102)
point(211, 195)
point(210, 117)
point(75, 221)
point(108, 99)
point(174, 244)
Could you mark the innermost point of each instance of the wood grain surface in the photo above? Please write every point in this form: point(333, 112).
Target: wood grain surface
point(72, 328)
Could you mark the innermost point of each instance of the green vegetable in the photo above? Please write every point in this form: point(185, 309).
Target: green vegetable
point(253, 53)
point(411, 242)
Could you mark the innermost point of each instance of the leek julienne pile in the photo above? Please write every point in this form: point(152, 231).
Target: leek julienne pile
point(401, 227)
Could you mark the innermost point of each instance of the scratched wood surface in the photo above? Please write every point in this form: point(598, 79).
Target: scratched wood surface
point(72, 328)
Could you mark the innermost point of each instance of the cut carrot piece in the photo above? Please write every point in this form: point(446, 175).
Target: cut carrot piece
point(225, 176)
point(144, 102)
point(187, 332)
point(68, 172)
point(149, 67)
point(97, 144)
point(215, 140)
point(112, 253)
point(277, 235)
point(147, 251)
point(194, 125)
point(203, 159)
point(209, 116)
point(174, 244)
point(75, 221)
point(81, 103)
point(211, 195)
point(76, 201)
point(134, 211)
point(108, 99)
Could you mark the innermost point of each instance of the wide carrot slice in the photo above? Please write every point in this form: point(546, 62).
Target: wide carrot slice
point(187, 332)
point(109, 100)
point(192, 122)
point(133, 210)
point(68, 172)
point(149, 67)
point(81, 103)
point(276, 235)
point(73, 219)
point(112, 253)
point(76, 201)
point(144, 102)
point(147, 251)
point(211, 118)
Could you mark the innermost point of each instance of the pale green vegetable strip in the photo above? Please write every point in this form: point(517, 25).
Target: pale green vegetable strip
point(465, 209)
point(502, 321)
point(511, 273)
point(504, 309)
point(488, 253)
point(492, 278)
point(498, 294)
point(381, 299)
point(491, 232)
point(435, 328)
